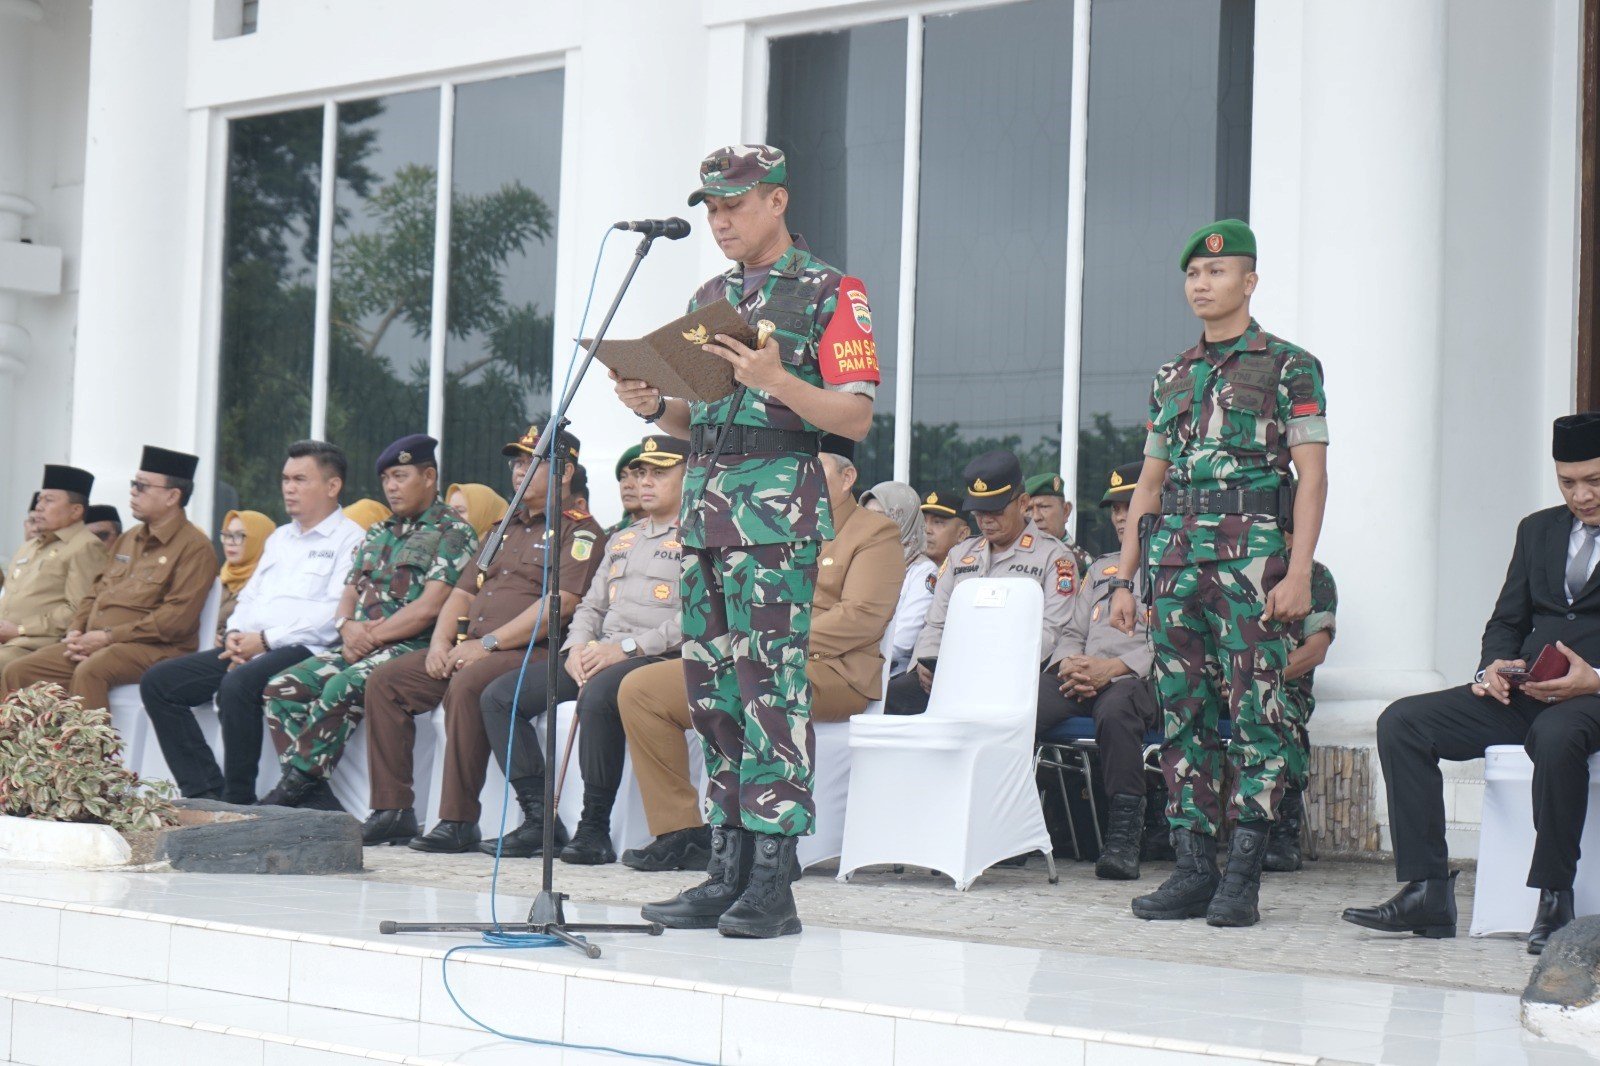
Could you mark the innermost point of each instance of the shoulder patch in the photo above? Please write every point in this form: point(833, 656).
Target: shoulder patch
point(848, 352)
point(968, 560)
point(576, 515)
point(1066, 578)
point(1110, 571)
point(931, 580)
point(1026, 542)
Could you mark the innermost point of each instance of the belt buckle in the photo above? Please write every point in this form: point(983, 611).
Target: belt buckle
point(1202, 502)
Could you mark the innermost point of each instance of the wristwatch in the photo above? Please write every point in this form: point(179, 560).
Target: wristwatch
point(338, 624)
point(629, 646)
point(1121, 583)
point(489, 641)
point(655, 416)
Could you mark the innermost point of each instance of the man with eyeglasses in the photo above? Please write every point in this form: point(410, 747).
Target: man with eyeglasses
point(51, 573)
point(146, 605)
point(503, 612)
point(284, 615)
point(401, 576)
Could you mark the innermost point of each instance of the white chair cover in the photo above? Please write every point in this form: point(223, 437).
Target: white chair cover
point(953, 789)
point(141, 752)
point(1502, 902)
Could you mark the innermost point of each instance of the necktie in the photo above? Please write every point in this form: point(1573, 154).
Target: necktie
point(1581, 563)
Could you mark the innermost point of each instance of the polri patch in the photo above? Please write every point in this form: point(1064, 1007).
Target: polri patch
point(1064, 577)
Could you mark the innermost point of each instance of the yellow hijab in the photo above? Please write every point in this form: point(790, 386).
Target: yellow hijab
point(367, 513)
point(485, 506)
point(257, 528)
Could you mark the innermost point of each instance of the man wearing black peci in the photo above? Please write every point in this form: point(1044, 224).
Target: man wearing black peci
point(1551, 598)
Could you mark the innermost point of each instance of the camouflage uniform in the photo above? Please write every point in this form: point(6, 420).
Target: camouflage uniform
point(751, 531)
point(1297, 693)
point(318, 704)
point(1225, 417)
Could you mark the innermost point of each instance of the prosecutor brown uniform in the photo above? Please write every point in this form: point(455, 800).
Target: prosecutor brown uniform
point(146, 605)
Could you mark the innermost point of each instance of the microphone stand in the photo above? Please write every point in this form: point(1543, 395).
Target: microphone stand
point(547, 916)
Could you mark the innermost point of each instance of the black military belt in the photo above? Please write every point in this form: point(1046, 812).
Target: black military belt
point(747, 440)
point(1220, 501)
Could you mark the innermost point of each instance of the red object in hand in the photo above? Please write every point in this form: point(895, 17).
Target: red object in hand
point(1551, 665)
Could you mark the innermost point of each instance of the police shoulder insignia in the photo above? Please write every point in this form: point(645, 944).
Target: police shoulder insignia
point(662, 591)
point(968, 560)
point(672, 545)
point(1065, 578)
point(1027, 541)
point(578, 516)
point(1110, 571)
point(933, 579)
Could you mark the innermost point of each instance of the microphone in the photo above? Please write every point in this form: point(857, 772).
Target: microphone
point(673, 229)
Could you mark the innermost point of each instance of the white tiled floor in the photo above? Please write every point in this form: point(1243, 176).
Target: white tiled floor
point(858, 996)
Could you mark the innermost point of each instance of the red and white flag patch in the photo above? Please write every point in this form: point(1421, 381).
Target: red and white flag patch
point(848, 351)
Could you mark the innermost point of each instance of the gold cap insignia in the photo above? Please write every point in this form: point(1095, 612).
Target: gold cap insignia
point(933, 497)
point(698, 335)
point(404, 457)
point(650, 445)
point(1116, 479)
point(980, 485)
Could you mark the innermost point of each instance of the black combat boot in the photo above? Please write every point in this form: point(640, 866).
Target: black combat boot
point(1283, 840)
point(766, 907)
point(1187, 893)
point(448, 838)
point(389, 827)
point(1238, 896)
point(292, 789)
point(681, 849)
point(727, 874)
point(1157, 844)
point(591, 844)
point(321, 798)
point(1426, 908)
point(1555, 911)
point(1119, 859)
point(526, 840)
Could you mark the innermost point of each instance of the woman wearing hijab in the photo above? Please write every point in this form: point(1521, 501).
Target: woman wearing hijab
point(478, 506)
point(367, 513)
point(244, 533)
point(901, 503)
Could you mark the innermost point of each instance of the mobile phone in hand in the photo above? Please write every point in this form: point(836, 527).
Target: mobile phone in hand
point(1514, 675)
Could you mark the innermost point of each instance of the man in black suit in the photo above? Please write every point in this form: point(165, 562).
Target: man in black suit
point(1551, 598)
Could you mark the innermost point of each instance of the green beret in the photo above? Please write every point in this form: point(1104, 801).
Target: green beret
point(629, 456)
point(1227, 237)
point(1045, 485)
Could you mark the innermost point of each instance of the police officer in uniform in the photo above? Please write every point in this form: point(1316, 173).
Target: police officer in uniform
point(1049, 508)
point(755, 513)
point(1228, 419)
point(628, 618)
point(1009, 545)
point(504, 612)
point(943, 523)
point(52, 573)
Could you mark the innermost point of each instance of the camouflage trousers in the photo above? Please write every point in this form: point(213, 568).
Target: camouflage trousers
point(318, 703)
point(1215, 656)
point(746, 632)
point(1299, 704)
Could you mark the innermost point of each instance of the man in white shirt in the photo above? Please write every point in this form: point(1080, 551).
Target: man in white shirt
point(285, 615)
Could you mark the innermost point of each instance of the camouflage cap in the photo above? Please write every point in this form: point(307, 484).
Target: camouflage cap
point(737, 168)
point(1120, 485)
point(1046, 485)
point(1227, 237)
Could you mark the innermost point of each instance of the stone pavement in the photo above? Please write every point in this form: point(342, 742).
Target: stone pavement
point(1300, 931)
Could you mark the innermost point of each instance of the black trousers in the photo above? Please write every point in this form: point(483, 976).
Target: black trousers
point(602, 745)
point(172, 689)
point(1418, 731)
point(1123, 712)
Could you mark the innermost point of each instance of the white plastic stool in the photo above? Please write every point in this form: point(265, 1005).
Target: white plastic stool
point(1502, 902)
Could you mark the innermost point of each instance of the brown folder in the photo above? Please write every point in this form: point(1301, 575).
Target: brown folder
point(671, 358)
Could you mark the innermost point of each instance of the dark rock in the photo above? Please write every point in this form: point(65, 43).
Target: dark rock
point(223, 838)
point(1568, 973)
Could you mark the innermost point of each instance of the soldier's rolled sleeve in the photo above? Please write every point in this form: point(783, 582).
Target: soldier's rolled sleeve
point(1302, 403)
point(855, 388)
point(1155, 443)
point(1318, 622)
point(178, 617)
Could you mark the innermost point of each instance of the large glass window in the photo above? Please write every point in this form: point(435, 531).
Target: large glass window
point(1168, 149)
point(836, 106)
point(498, 352)
point(382, 342)
point(268, 302)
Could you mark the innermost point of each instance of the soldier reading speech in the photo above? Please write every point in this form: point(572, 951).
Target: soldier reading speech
point(755, 511)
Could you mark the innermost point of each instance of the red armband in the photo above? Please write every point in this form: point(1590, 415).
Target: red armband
point(847, 351)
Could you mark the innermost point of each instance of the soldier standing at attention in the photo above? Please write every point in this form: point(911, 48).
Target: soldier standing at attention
point(1228, 417)
point(755, 512)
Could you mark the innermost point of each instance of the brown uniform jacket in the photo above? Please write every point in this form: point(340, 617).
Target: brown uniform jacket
point(155, 586)
point(516, 581)
point(859, 573)
point(49, 577)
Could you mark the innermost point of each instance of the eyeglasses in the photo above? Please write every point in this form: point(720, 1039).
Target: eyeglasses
point(142, 487)
point(232, 538)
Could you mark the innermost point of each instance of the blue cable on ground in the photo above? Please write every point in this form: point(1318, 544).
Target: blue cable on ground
point(498, 939)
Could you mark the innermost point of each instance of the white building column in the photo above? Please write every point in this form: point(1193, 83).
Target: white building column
point(1370, 78)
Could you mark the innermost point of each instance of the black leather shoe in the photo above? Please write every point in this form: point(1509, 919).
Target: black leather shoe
point(1426, 908)
point(389, 827)
point(1237, 902)
point(526, 841)
point(1187, 893)
point(765, 908)
point(1119, 859)
point(291, 790)
point(1283, 841)
point(727, 876)
point(681, 849)
point(590, 846)
point(321, 798)
point(449, 838)
point(1555, 911)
